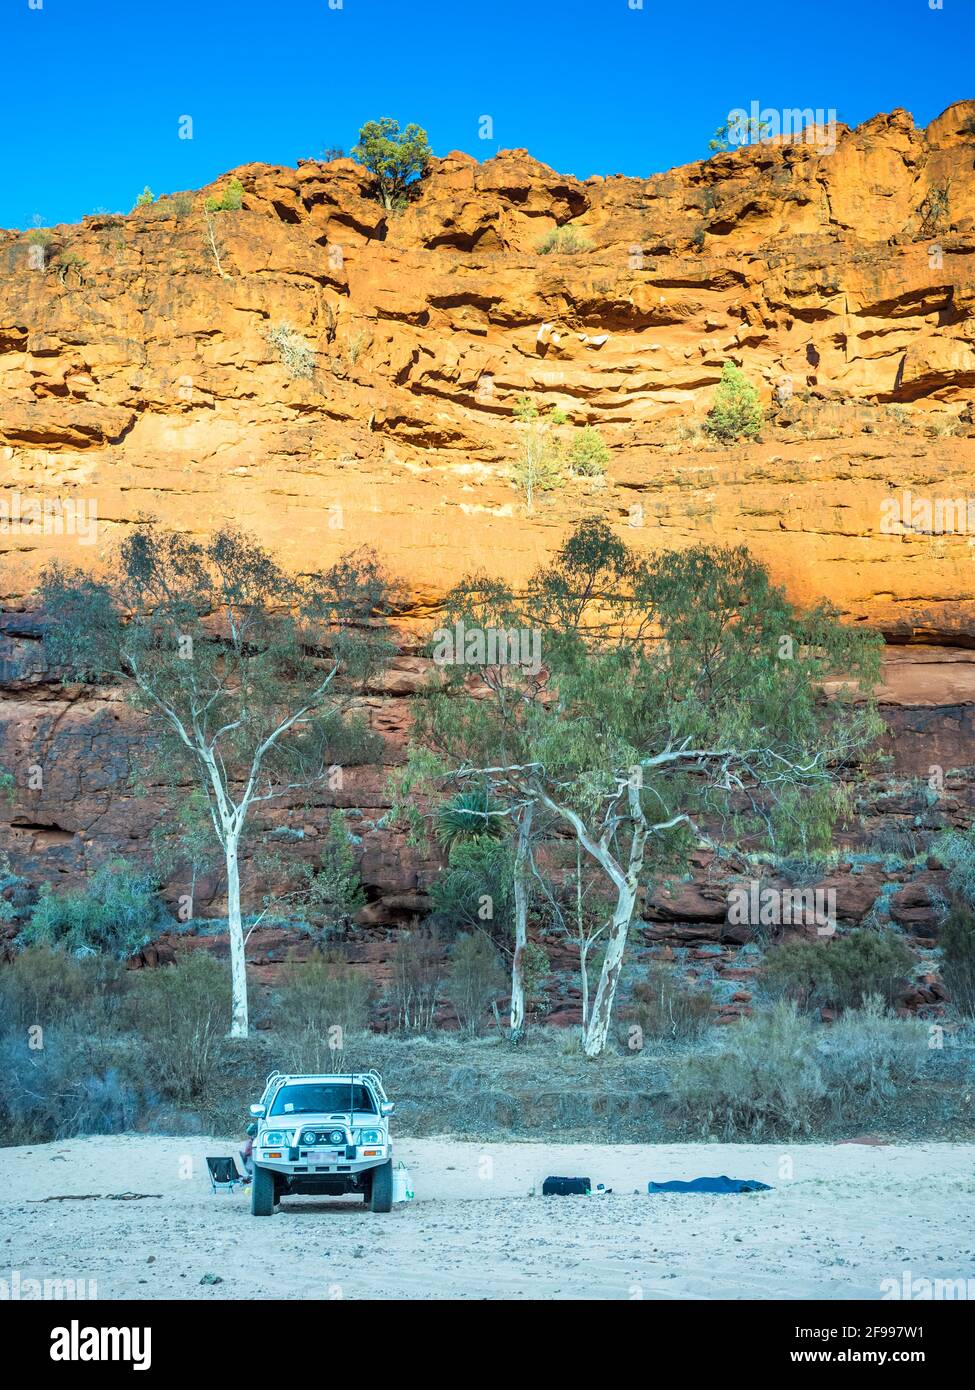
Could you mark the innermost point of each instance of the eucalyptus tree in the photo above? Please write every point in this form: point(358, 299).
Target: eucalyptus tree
point(680, 701)
point(249, 674)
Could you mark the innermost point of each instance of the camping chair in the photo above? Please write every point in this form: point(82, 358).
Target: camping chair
point(224, 1174)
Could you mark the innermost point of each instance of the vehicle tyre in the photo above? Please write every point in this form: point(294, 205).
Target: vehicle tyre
point(264, 1192)
point(381, 1188)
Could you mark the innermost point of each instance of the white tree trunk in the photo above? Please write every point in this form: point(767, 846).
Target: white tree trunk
point(521, 925)
point(235, 930)
point(597, 1032)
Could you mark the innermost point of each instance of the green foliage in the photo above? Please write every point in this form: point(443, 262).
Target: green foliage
point(416, 981)
point(322, 995)
point(563, 241)
point(776, 1076)
point(744, 132)
point(237, 664)
point(957, 942)
point(468, 815)
point(118, 913)
point(588, 454)
point(839, 972)
point(539, 465)
point(474, 978)
point(736, 412)
point(536, 968)
point(230, 200)
point(146, 198)
point(631, 744)
point(475, 890)
point(48, 987)
point(396, 158)
point(329, 893)
point(293, 351)
point(957, 851)
point(181, 1012)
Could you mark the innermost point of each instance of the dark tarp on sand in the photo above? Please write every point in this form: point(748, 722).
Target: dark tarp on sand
point(710, 1185)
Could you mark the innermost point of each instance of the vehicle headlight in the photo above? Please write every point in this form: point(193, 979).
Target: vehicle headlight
point(337, 1137)
point(310, 1137)
point(273, 1137)
point(371, 1136)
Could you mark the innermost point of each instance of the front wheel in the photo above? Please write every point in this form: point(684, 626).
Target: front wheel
point(262, 1192)
point(381, 1188)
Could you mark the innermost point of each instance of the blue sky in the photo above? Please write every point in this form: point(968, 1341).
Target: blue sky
point(588, 86)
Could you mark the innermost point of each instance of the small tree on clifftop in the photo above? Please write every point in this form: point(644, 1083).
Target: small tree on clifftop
point(246, 672)
point(397, 158)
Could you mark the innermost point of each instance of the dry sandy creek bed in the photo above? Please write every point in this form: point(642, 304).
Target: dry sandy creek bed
point(840, 1220)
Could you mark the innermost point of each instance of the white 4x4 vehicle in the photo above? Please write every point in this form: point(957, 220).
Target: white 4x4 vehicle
point(322, 1134)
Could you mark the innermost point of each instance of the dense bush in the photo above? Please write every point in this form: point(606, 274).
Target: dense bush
point(43, 986)
point(957, 941)
point(474, 978)
point(72, 1085)
point(417, 977)
point(736, 412)
point(838, 972)
point(778, 1075)
point(181, 1012)
point(323, 995)
point(869, 1057)
point(117, 913)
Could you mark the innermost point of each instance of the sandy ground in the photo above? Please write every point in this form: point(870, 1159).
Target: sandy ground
point(841, 1218)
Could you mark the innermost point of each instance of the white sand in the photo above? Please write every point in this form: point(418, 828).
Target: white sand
point(842, 1220)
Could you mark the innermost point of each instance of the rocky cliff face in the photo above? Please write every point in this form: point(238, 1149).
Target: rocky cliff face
point(142, 371)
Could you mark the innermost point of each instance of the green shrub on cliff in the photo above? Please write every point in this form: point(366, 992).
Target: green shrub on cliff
point(229, 201)
point(736, 412)
point(563, 241)
point(117, 914)
point(839, 972)
point(588, 455)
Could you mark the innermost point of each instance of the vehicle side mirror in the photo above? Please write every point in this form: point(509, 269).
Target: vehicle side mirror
point(386, 1107)
point(258, 1110)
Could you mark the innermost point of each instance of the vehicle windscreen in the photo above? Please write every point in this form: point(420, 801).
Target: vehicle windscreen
point(326, 1098)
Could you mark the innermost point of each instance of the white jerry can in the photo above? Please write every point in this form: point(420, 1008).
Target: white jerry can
point(402, 1187)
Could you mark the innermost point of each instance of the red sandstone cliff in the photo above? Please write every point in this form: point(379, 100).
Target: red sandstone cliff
point(137, 375)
